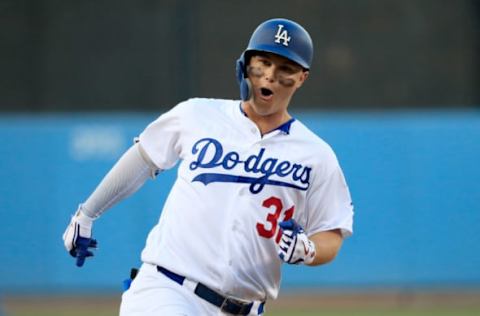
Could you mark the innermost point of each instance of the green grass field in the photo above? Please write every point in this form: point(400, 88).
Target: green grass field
point(300, 305)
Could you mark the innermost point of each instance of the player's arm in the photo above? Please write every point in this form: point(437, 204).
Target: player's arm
point(296, 247)
point(125, 178)
point(327, 245)
point(330, 206)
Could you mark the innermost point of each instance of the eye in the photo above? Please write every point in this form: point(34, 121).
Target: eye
point(265, 62)
point(287, 69)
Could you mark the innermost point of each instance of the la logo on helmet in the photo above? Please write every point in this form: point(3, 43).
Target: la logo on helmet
point(282, 35)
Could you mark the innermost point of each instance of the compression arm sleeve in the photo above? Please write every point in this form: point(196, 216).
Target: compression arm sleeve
point(125, 178)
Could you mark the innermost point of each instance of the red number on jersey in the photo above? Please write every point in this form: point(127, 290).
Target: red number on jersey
point(269, 230)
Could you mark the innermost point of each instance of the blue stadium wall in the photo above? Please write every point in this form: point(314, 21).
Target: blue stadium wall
point(413, 177)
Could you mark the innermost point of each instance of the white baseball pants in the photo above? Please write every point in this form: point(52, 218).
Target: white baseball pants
point(154, 294)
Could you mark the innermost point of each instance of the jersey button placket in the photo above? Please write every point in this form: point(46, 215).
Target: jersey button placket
point(235, 231)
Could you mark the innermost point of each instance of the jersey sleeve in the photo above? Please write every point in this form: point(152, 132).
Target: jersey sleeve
point(161, 139)
point(329, 205)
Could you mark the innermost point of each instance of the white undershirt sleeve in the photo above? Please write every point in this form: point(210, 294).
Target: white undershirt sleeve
point(125, 178)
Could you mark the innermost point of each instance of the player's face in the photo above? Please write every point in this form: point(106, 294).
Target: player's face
point(274, 80)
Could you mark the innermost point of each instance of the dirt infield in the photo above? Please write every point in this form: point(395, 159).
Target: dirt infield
point(376, 299)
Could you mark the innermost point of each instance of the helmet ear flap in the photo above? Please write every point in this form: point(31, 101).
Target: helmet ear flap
point(245, 89)
point(242, 79)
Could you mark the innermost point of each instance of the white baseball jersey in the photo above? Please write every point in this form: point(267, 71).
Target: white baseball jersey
point(219, 224)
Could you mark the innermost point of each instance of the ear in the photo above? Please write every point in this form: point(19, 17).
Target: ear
point(303, 78)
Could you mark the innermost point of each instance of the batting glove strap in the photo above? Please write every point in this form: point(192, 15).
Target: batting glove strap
point(77, 237)
point(294, 246)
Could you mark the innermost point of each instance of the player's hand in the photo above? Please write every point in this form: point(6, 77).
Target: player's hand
point(294, 246)
point(78, 237)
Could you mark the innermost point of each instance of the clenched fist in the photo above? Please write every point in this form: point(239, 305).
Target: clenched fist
point(294, 246)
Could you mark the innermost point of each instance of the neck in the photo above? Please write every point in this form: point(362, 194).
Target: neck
point(267, 122)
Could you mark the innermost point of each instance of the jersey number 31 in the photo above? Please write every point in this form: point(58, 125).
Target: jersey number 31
point(269, 230)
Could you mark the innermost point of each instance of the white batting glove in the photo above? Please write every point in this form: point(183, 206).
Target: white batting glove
point(78, 237)
point(295, 247)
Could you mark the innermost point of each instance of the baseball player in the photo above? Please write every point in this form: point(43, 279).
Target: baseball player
point(255, 189)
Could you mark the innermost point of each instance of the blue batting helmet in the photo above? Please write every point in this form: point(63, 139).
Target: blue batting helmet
point(279, 36)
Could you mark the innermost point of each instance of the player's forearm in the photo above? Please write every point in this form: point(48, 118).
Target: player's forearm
point(126, 177)
point(327, 246)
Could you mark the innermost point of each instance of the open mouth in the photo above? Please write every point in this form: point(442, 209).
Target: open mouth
point(266, 92)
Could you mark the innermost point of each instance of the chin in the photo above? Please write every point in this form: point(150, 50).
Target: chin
point(262, 108)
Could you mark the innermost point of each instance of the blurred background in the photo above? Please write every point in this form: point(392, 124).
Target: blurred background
point(394, 89)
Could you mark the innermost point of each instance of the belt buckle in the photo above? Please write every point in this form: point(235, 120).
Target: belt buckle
point(229, 301)
point(223, 303)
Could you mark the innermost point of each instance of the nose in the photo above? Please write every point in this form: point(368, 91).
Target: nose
point(270, 74)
